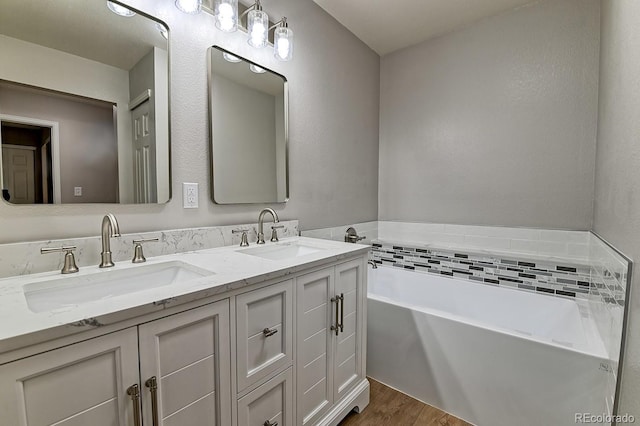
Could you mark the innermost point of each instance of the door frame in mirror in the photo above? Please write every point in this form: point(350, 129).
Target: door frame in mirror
point(55, 150)
point(211, 124)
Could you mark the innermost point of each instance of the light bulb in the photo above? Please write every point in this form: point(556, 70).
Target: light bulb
point(120, 10)
point(227, 15)
point(258, 24)
point(257, 35)
point(231, 58)
point(257, 69)
point(191, 7)
point(283, 43)
point(283, 48)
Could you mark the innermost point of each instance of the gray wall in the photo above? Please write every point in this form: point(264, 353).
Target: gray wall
point(494, 124)
point(88, 147)
point(334, 99)
point(617, 192)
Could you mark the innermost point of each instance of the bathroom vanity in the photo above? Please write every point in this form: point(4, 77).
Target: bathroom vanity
point(265, 335)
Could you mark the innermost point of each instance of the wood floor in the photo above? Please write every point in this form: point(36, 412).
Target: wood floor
point(390, 407)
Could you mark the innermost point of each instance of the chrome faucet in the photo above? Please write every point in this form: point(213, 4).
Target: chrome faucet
point(261, 223)
point(110, 229)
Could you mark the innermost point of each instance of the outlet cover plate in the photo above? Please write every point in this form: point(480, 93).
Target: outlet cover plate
point(190, 195)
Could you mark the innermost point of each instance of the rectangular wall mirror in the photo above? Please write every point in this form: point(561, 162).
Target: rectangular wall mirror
point(248, 115)
point(84, 103)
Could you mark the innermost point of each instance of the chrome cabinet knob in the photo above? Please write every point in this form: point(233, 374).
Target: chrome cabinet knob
point(268, 332)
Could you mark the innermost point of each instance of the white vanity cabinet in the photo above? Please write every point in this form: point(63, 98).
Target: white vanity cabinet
point(103, 381)
point(330, 338)
point(287, 351)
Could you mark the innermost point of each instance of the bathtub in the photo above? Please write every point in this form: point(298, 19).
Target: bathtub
point(491, 356)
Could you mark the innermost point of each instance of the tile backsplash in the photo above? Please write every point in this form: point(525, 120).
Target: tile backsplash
point(575, 264)
point(549, 277)
point(25, 258)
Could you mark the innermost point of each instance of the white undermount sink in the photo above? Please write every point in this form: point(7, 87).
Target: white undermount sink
point(282, 251)
point(60, 292)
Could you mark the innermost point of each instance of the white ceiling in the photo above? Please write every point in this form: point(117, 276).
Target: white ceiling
point(81, 27)
point(389, 25)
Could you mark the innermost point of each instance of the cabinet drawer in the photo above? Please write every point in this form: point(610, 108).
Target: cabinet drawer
point(270, 403)
point(264, 320)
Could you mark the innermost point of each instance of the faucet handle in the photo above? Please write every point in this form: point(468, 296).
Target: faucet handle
point(138, 254)
point(351, 236)
point(274, 233)
point(244, 240)
point(70, 266)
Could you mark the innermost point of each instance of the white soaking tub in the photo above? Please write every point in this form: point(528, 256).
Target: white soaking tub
point(491, 356)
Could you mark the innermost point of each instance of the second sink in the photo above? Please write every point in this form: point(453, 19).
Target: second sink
point(282, 251)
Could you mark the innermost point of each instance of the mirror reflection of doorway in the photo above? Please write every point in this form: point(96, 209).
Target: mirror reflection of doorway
point(27, 163)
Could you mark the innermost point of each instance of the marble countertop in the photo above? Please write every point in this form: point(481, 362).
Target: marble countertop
point(20, 326)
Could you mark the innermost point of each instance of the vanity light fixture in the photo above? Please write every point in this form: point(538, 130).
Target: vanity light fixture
point(120, 10)
point(231, 58)
point(257, 69)
point(257, 25)
point(282, 40)
point(226, 14)
point(192, 7)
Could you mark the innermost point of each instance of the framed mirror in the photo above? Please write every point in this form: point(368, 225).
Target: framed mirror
point(84, 103)
point(248, 116)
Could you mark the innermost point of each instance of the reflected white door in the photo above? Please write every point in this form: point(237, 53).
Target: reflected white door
point(144, 154)
point(18, 174)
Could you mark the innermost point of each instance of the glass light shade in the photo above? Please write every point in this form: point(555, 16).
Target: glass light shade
point(283, 43)
point(191, 7)
point(120, 10)
point(231, 58)
point(258, 28)
point(256, 69)
point(227, 15)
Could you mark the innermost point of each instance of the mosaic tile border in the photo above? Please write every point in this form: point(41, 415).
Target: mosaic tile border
point(541, 276)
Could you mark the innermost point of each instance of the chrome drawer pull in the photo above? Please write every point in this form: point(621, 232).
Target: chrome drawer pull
point(134, 393)
point(152, 384)
point(341, 298)
point(268, 333)
point(336, 327)
point(268, 423)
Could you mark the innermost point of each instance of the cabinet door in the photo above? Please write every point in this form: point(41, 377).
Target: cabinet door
point(315, 314)
point(188, 356)
point(77, 385)
point(348, 366)
point(270, 404)
point(264, 320)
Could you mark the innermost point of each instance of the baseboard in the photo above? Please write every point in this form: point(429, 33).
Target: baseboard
point(358, 398)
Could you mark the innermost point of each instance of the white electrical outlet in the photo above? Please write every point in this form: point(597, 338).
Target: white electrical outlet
point(190, 195)
point(77, 191)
